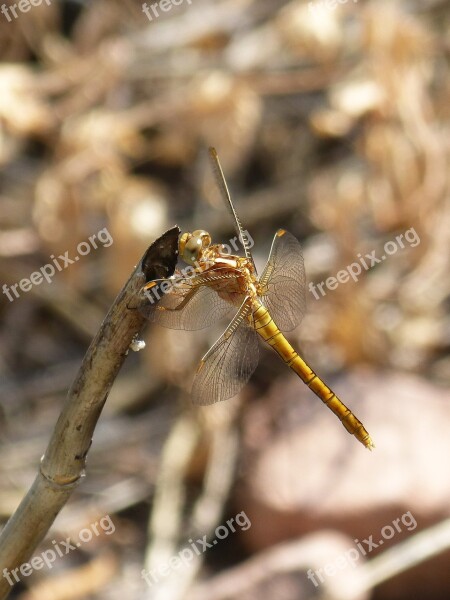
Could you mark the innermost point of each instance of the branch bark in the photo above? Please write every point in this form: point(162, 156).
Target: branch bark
point(62, 466)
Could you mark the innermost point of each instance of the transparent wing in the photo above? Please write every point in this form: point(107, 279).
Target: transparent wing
point(229, 363)
point(182, 303)
point(283, 281)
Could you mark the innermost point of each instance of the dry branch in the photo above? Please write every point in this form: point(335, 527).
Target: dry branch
point(63, 463)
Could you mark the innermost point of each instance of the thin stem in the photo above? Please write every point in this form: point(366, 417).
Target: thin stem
point(62, 466)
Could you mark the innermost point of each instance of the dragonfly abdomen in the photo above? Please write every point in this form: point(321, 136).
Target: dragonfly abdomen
point(270, 333)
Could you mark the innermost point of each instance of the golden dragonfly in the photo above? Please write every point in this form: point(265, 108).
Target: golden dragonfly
point(216, 282)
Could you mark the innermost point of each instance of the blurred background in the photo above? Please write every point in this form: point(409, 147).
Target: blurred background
point(331, 120)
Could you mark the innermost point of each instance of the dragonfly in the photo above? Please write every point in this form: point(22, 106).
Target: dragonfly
point(215, 284)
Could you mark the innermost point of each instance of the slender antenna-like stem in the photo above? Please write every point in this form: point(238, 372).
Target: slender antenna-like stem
point(222, 185)
point(63, 463)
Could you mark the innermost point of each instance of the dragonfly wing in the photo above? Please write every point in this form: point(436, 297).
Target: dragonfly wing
point(182, 303)
point(229, 363)
point(283, 281)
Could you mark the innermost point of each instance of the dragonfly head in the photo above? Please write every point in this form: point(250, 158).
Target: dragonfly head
point(192, 245)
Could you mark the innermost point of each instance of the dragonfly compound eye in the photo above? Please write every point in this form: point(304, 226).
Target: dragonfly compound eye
point(192, 250)
point(204, 236)
point(191, 245)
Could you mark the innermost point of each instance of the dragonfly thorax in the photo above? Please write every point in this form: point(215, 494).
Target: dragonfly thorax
point(227, 273)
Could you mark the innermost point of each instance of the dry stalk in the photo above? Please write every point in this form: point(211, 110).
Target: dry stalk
point(63, 463)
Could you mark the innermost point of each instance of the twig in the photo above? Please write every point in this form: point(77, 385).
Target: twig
point(62, 465)
point(207, 510)
point(166, 519)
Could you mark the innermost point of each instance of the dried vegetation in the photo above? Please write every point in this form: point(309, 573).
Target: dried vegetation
point(333, 124)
